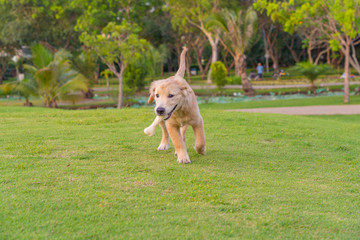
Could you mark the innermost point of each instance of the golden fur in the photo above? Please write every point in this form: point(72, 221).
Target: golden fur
point(175, 95)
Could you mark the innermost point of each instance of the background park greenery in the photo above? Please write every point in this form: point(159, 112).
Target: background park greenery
point(136, 41)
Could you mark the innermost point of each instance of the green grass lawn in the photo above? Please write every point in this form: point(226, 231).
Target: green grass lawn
point(95, 175)
point(311, 101)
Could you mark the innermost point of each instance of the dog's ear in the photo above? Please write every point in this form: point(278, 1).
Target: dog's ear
point(185, 90)
point(152, 92)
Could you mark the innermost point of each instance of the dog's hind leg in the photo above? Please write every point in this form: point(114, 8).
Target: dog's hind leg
point(164, 144)
point(199, 138)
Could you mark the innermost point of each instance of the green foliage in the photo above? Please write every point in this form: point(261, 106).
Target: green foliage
point(187, 11)
point(117, 43)
point(55, 79)
point(135, 73)
point(218, 74)
point(86, 64)
point(156, 58)
point(334, 18)
point(31, 21)
point(310, 70)
point(41, 57)
point(238, 28)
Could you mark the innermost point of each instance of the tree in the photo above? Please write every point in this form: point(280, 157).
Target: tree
point(196, 14)
point(156, 58)
point(270, 33)
point(337, 20)
point(239, 28)
point(199, 46)
point(53, 74)
point(116, 45)
point(294, 44)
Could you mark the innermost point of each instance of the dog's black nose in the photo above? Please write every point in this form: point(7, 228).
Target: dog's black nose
point(160, 110)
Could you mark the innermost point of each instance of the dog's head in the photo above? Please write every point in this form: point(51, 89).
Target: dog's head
point(169, 95)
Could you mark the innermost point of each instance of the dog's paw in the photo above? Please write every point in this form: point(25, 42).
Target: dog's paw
point(185, 159)
point(175, 154)
point(150, 131)
point(163, 147)
point(200, 150)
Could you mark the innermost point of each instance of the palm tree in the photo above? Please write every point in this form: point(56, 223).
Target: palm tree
point(54, 76)
point(26, 87)
point(311, 71)
point(238, 30)
point(86, 64)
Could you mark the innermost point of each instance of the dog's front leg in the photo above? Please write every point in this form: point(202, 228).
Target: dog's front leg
point(176, 138)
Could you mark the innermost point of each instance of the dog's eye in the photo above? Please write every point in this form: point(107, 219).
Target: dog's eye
point(157, 95)
point(170, 96)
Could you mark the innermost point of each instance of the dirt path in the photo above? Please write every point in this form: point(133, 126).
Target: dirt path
point(308, 110)
point(277, 86)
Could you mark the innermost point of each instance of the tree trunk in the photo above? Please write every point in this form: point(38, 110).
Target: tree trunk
point(346, 80)
point(120, 97)
point(89, 94)
point(27, 102)
point(328, 61)
point(198, 47)
point(170, 64)
point(162, 69)
point(228, 68)
point(54, 104)
point(320, 55)
point(4, 66)
point(188, 63)
point(309, 49)
point(240, 70)
point(291, 49)
point(312, 86)
point(96, 74)
point(275, 61)
point(214, 50)
point(47, 103)
point(202, 69)
point(354, 63)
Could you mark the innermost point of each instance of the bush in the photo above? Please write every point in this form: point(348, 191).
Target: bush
point(134, 75)
point(234, 80)
point(218, 74)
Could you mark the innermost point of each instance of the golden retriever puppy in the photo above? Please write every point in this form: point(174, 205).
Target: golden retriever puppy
point(176, 103)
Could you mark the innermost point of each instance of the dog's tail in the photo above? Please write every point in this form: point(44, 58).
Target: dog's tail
point(181, 71)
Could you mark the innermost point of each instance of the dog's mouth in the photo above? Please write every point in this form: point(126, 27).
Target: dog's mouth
point(170, 113)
